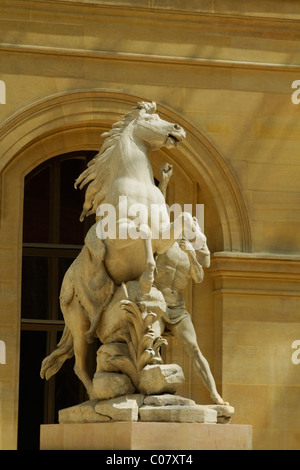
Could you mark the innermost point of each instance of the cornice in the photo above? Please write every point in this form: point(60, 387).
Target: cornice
point(255, 274)
point(277, 26)
point(146, 58)
point(255, 265)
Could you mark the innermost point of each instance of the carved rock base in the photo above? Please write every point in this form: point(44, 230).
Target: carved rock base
point(108, 385)
point(178, 414)
point(137, 407)
point(83, 413)
point(161, 378)
point(224, 413)
point(124, 408)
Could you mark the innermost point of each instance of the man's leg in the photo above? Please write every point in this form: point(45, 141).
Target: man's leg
point(184, 331)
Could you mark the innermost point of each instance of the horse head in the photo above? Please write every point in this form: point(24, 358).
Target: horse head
point(153, 131)
point(142, 125)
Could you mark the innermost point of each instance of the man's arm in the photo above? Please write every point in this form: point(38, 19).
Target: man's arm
point(196, 268)
point(166, 173)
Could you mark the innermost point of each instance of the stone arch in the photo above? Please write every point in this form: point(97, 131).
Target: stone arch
point(74, 120)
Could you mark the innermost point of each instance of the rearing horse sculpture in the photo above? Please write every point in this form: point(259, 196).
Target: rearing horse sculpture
point(121, 169)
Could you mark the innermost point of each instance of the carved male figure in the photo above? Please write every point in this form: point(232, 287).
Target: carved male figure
point(174, 269)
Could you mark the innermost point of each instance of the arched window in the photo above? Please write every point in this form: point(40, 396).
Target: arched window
point(52, 238)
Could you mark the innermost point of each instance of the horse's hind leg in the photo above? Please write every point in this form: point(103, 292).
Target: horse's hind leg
point(80, 368)
point(79, 324)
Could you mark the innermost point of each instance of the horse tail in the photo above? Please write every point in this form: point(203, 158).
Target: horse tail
point(52, 363)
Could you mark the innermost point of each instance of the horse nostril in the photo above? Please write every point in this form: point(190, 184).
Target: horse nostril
point(177, 127)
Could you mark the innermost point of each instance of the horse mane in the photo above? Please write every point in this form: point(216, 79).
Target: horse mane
point(98, 172)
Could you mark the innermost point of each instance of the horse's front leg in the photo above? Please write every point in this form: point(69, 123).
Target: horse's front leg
point(130, 234)
point(78, 324)
point(147, 278)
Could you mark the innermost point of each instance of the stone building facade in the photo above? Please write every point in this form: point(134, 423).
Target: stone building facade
point(225, 72)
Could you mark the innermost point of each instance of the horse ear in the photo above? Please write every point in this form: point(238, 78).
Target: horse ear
point(150, 108)
point(153, 107)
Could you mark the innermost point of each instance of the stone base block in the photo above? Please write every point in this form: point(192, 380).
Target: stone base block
point(145, 436)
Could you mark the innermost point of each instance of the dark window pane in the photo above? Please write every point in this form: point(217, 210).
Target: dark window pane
point(71, 201)
point(36, 207)
point(34, 287)
point(31, 393)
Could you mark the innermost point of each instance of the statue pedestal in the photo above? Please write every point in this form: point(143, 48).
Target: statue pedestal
point(145, 436)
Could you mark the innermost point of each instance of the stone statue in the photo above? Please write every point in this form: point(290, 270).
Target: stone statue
point(126, 285)
point(174, 268)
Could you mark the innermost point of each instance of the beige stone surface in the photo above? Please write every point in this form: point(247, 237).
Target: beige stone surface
point(180, 414)
point(145, 436)
point(108, 385)
point(125, 408)
point(165, 378)
point(167, 399)
point(82, 413)
point(224, 413)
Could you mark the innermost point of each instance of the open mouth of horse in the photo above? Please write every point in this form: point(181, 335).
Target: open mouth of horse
point(173, 139)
